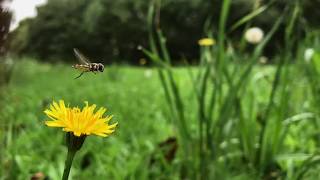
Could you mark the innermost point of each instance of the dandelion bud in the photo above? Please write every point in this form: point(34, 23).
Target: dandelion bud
point(74, 143)
point(38, 176)
point(254, 35)
point(142, 61)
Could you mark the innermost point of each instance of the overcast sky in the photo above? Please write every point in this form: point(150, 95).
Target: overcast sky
point(23, 9)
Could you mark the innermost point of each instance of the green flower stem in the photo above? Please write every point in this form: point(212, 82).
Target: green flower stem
point(67, 166)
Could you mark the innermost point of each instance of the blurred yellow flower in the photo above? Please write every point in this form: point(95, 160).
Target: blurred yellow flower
point(206, 42)
point(79, 122)
point(142, 61)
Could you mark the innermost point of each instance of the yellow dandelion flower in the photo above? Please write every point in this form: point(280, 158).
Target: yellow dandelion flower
point(206, 42)
point(79, 122)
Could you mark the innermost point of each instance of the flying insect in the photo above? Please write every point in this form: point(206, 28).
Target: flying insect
point(85, 64)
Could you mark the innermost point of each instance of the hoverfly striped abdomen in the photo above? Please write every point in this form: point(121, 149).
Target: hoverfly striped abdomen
point(96, 67)
point(92, 67)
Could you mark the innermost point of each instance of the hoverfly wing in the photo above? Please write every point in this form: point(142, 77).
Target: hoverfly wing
point(81, 57)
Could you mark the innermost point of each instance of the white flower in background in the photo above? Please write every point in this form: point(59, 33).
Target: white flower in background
point(263, 60)
point(254, 35)
point(148, 73)
point(308, 53)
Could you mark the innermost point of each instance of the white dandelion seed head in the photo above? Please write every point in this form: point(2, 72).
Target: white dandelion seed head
point(254, 35)
point(308, 53)
point(263, 60)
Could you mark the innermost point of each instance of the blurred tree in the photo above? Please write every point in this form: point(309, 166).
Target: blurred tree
point(19, 38)
point(113, 29)
point(311, 13)
point(182, 22)
point(5, 65)
point(108, 29)
point(5, 19)
point(57, 29)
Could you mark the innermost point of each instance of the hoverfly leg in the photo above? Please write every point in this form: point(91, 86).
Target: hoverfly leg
point(79, 75)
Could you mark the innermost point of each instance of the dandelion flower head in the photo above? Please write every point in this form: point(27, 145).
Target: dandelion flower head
point(79, 122)
point(206, 42)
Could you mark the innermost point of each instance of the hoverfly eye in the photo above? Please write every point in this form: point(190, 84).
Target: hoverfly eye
point(101, 68)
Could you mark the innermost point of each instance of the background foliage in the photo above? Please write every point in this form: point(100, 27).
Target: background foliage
point(114, 29)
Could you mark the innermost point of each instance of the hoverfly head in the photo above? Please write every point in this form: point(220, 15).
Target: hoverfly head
point(101, 67)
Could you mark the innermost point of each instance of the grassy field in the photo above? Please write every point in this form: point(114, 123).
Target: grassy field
point(135, 97)
point(132, 95)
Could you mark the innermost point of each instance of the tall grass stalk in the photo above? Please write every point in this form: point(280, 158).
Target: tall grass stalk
point(223, 97)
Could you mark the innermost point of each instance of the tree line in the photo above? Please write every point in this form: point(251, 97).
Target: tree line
point(112, 30)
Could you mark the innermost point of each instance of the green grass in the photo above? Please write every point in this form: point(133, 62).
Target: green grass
point(130, 94)
point(135, 97)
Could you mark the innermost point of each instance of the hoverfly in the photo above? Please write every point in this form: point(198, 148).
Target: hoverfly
point(86, 65)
